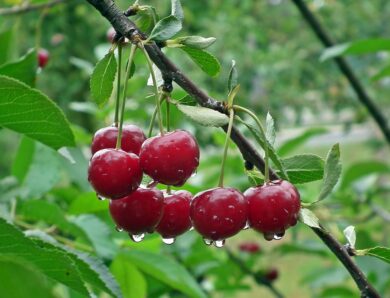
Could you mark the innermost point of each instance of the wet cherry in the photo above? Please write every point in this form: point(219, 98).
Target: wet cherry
point(114, 173)
point(249, 247)
point(176, 214)
point(43, 57)
point(219, 213)
point(271, 275)
point(132, 138)
point(139, 212)
point(273, 208)
point(170, 159)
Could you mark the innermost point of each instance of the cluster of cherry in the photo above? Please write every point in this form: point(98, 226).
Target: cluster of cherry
point(171, 159)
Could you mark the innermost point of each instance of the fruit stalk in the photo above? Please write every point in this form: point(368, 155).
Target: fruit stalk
point(118, 85)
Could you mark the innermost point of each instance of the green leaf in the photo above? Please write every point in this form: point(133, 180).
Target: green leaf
point(145, 19)
point(304, 168)
point(362, 169)
point(233, 77)
point(270, 129)
point(166, 28)
point(350, 234)
point(5, 45)
point(332, 172)
point(24, 69)
point(102, 79)
point(131, 280)
point(384, 72)
point(207, 62)
point(204, 116)
point(98, 233)
point(382, 253)
point(309, 218)
point(197, 42)
point(43, 173)
point(87, 203)
point(338, 292)
point(365, 46)
point(292, 144)
point(13, 271)
point(272, 154)
point(177, 10)
point(23, 159)
point(30, 112)
point(167, 271)
point(56, 264)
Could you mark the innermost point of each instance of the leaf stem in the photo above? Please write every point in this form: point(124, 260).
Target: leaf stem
point(262, 131)
point(158, 95)
point(226, 146)
point(127, 76)
point(118, 86)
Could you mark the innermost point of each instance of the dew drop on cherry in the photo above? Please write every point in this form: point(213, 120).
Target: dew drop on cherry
point(207, 241)
point(137, 238)
point(219, 243)
point(278, 236)
point(246, 226)
point(100, 198)
point(169, 241)
point(118, 229)
point(269, 236)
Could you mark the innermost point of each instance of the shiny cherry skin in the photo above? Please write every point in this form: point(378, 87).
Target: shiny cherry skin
point(114, 173)
point(43, 57)
point(219, 213)
point(139, 212)
point(271, 275)
point(170, 159)
point(273, 207)
point(132, 138)
point(176, 214)
point(249, 247)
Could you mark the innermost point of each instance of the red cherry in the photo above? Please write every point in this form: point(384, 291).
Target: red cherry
point(219, 213)
point(170, 159)
point(138, 212)
point(114, 173)
point(43, 57)
point(273, 208)
point(271, 275)
point(249, 247)
point(132, 138)
point(176, 215)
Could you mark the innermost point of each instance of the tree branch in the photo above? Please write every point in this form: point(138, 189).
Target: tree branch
point(127, 28)
point(346, 69)
point(27, 8)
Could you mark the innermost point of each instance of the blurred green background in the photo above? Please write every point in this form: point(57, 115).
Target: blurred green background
point(277, 58)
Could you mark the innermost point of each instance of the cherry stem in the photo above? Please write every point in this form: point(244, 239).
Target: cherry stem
point(127, 76)
point(158, 95)
point(168, 115)
point(118, 86)
point(226, 146)
point(262, 131)
point(150, 130)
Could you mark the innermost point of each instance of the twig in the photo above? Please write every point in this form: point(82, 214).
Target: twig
point(27, 8)
point(346, 69)
point(258, 279)
point(127, 28)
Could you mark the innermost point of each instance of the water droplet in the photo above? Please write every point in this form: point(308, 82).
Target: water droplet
point(191, 229)
point(169, 241)
point(219, 243)
point(137, 238)
point(269, 236)
point(207, 241)
point(278, 236)
point(231, 207)
point(246, 226)
point(215, 217)
point(194, 174)
point(180, 172)
point(100, 197)
point(118, 229)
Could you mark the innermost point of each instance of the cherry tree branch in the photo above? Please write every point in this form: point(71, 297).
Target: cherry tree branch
point(29, 7)
point(346, 69)
point(170, 72)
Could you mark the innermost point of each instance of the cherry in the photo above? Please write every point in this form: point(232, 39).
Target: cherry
point(170, 159)
point(176, 215)
point(132, 138)
point(271, 275)
point(114, 173)
point(43, 57)
point(273, 208)
point(249, 247)
point(219, 213)
point(139, 212)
